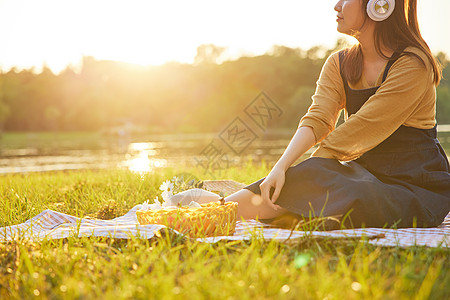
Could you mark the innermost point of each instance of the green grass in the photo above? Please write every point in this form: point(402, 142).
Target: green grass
point(171, 267)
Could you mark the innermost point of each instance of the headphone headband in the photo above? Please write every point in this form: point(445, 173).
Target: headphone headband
point(380, 10)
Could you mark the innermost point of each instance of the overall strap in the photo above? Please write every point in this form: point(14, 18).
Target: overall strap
point(392, 60)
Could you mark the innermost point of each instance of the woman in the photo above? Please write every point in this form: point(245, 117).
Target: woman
point(384, 165)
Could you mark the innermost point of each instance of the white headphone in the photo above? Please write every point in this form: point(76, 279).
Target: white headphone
point(380, 10)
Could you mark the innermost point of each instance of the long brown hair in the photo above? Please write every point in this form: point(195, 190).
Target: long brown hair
point(400, 30)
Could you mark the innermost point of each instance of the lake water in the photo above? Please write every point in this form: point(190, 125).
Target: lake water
point(30, 153)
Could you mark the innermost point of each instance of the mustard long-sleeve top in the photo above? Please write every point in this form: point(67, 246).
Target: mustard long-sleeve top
point(407, 97)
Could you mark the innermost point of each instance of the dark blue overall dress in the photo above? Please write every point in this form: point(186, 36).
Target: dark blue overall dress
point(403, 182)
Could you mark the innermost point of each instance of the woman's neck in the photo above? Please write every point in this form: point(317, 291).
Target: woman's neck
point(373, 62)
point(367, 41)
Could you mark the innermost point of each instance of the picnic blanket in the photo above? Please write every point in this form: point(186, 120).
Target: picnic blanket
point(51, 224)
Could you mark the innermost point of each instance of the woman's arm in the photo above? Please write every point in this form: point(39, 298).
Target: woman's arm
point(301, 142)
point(314, 127)
point(322, 114)
point(328, 100)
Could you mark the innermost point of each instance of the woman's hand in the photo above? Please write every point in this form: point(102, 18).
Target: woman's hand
point(276, 180)
point(302, 140)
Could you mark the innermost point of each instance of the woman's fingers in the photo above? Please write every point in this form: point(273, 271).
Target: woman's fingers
point(275, 180)
point(265, 194)
point(264, 191)
point(276, 193)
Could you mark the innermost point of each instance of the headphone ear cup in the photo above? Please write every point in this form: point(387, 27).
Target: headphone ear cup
point(380, 10)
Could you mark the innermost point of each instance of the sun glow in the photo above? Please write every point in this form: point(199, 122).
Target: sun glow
point(56, 33)
point(142, 163)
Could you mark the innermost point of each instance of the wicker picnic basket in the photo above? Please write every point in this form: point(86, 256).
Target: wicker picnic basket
point(211, 219)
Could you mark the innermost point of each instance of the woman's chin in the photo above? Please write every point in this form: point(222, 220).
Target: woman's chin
point(342, 30)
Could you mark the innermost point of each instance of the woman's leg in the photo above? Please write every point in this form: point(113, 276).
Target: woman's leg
point(251, 206)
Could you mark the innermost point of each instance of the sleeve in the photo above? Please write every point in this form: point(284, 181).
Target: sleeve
point(383, 113)
point(328, 100)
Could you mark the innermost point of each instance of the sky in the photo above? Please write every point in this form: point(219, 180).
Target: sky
point(58, 33)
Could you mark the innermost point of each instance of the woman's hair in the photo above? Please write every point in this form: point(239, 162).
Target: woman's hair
point(400, 30)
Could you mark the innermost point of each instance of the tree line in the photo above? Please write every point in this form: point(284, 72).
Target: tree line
point(174, 97)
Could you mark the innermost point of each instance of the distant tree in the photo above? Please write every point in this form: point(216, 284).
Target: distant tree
point(341, 43)
point(52, 115)
point(442, 59)
point(316, 52)
point(443, 104)
point(4, 113)
point(280, 50)
point(208, 53)
point(203, 96)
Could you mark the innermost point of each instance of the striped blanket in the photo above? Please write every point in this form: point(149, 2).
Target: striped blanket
point(50, 224)
point(55, 225)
